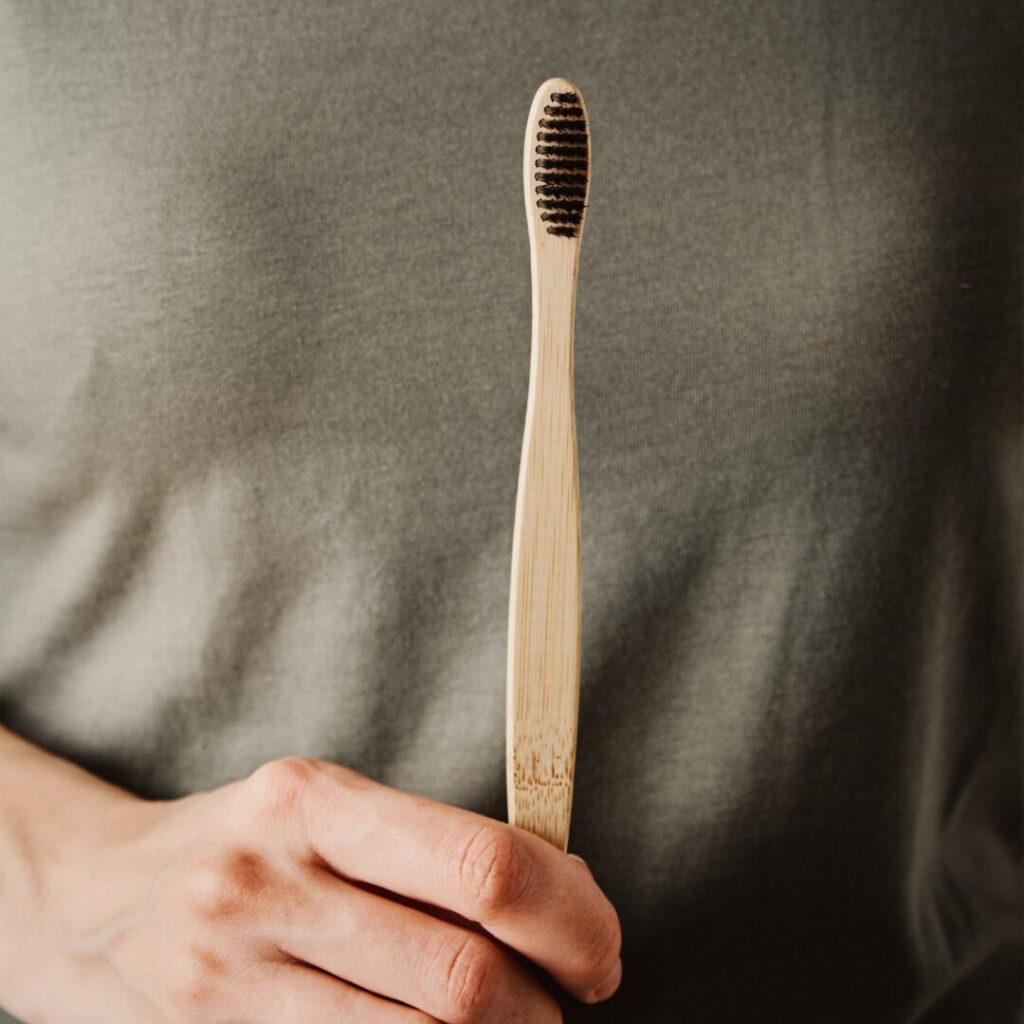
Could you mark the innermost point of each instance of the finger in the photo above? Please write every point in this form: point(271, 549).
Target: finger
point(408, 955)
point(296, 994)
point(520, 888)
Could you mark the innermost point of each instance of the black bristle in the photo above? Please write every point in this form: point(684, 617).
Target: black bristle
point(565, 113)
point(568, 205)
point(572, 150)
point(563, 137)
point(563, 152)
point(562, 190)
point(567, 163)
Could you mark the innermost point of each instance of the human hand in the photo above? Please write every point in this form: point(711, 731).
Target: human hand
point(309, 892)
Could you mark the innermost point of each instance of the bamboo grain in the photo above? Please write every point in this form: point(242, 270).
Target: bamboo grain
point(545, 625)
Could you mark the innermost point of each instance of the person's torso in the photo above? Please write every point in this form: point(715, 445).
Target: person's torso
point(264, 337)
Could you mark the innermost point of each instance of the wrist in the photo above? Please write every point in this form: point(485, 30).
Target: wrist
point(56, 821)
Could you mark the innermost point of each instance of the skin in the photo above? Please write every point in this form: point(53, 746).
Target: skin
point(305, 892)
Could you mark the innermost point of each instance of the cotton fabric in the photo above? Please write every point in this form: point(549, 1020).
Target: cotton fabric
point(264, 331)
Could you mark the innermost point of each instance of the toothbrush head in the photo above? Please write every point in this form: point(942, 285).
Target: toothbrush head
point(558, 158)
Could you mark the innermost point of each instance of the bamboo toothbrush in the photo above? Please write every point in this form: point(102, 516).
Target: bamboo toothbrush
point(544, 602)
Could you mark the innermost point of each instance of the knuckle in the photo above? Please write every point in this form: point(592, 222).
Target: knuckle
point(278, 788)
point(197, 980)
point(600, 948)
point(470, 973)
point(225, 886)
point(494, 868)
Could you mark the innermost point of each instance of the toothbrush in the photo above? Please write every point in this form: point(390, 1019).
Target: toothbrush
point(544, 626)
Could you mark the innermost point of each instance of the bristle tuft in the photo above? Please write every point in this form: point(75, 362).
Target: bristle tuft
point(563, 152)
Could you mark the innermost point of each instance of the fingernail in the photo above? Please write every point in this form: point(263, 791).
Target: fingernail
point(609, 985)
point(581, 860)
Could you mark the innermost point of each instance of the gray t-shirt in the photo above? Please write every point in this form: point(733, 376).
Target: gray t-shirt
point(264, 332)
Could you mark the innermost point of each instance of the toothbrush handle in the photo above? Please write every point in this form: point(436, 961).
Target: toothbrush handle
point(544, 606)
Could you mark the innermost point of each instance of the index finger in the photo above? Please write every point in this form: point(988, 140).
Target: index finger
point(522, 890)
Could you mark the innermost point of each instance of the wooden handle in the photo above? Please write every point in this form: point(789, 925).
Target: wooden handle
point(544, 605)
